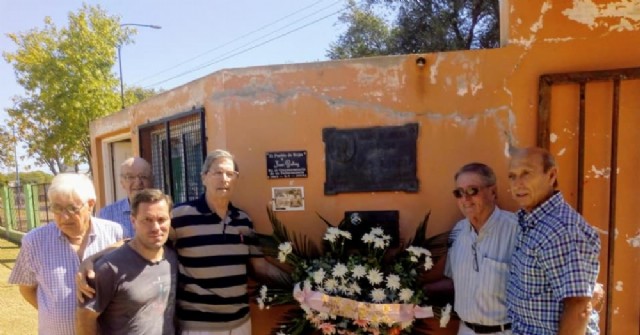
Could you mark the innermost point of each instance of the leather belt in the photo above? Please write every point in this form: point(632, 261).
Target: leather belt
point(482, 329)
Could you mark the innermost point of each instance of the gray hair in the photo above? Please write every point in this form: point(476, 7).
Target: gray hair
point(72, 184)
point(480, 169)
point(213, 155)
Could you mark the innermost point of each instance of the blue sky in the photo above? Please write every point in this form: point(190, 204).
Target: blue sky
point(198, 37)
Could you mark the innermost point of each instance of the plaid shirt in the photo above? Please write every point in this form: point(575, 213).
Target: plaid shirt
point(47, 260)
point(556, 257)
point(119, 212)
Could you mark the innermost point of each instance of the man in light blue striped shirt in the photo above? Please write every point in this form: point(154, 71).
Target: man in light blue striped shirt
point(135, 176)
point(480, 250)
point(51, 254)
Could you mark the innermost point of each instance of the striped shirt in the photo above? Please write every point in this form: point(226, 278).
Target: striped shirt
point(556, 257)
point(47, 260)
point(213, 254)
point(119, 212)
point(481, 295)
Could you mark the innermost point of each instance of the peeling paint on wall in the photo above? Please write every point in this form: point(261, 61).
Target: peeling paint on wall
point(634, 241)
point(553, 137)
point(604, 172)
point(614, 16)
point(559, 39)
point(619, 286)
point(469, 80)
point(561, 152)
point(434, 67)
point(534, 28)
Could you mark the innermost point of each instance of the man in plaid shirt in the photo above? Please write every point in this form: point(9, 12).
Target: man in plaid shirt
point(555, 263)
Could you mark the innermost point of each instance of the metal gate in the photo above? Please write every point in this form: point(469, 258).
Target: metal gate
point(589, 121)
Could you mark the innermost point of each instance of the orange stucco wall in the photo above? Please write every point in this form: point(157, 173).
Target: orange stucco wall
point(470, 106)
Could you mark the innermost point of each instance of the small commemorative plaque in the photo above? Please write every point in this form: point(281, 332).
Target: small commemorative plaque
point(287, 164)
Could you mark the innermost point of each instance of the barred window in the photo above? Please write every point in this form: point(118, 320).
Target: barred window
point(176, 163)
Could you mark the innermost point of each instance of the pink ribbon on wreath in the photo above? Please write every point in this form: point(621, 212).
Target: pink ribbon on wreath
point(358, 310)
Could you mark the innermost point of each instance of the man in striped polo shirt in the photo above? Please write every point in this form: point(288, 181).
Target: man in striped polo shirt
point(213, 239)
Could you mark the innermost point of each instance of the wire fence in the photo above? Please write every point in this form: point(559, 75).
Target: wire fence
point(24, 207)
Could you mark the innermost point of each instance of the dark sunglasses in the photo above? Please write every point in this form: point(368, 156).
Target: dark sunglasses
point(469, 191)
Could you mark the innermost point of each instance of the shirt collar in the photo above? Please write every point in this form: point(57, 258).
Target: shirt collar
point(528, 220)
point(92, 233)
point(202, 207)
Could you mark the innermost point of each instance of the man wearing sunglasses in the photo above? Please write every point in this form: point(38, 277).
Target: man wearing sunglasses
point(481, 244)
point(51, 254)
point(135, 176)
point(555, 262)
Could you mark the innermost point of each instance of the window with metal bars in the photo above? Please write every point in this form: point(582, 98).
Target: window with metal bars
point(176, 163)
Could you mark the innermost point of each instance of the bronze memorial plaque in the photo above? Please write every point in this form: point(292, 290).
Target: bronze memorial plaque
point(370, 159)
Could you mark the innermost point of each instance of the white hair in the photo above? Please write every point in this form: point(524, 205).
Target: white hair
point(72, 184)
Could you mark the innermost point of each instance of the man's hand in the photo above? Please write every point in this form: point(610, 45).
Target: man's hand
point(598, 297)
point(85, 273)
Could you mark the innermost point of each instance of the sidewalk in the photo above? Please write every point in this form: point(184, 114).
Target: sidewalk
point(16, 316)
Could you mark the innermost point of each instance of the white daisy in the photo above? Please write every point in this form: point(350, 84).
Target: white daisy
point(340, 270)
point(406, 295)
point(393, 282)
point(359, 271)
point(375, 276)
point(318, 276)
point(428, 263)
point(446, 315)
point(330, 284)
point(378, 295)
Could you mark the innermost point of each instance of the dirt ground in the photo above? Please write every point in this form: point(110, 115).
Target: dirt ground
point(16, 316)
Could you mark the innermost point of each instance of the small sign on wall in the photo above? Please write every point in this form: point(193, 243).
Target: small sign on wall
point(287, 164)
point(287, 198)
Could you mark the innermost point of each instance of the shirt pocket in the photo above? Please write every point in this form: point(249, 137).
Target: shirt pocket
point(495, 275)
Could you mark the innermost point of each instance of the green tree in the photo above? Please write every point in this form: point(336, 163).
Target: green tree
point(367, 35)
point(424, 26)
point(7, 154)
point(68, 81)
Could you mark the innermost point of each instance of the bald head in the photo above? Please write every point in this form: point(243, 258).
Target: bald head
point(532, 176)
point(135, 176)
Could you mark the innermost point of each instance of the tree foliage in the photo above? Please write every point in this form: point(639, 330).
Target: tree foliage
point(67, 77)
point(417, 26)
point(33, 177)
point(367, 35)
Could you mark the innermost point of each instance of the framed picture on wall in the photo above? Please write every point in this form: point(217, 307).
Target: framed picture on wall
point(287, 198)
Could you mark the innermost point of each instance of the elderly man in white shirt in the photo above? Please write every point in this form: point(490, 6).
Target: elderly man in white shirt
point(479, 255)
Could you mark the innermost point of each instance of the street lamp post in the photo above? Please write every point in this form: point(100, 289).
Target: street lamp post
point(152, 26)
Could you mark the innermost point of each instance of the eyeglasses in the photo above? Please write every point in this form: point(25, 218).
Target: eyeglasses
point(469, 191)
point(69, 210)
point(476, 268)
point(131, 178)
point(228, 174)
